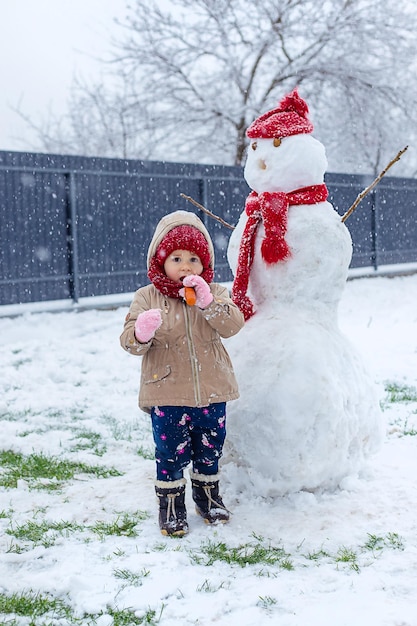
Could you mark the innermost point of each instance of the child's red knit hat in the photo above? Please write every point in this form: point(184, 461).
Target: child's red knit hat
point(181, 237)
point(184, 237)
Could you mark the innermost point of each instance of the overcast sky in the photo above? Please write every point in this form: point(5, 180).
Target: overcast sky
point(42, 44)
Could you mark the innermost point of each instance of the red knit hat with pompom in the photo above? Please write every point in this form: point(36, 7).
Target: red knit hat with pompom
point(184, 237)
point(289, 118)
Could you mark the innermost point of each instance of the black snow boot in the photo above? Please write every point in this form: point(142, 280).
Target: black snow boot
point(172, 511)
point(208, 502)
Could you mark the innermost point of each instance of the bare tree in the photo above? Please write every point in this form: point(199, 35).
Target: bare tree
point(191, 75)
point(100, 121)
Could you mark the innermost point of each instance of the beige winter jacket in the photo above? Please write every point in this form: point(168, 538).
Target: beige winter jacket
point(186, 363)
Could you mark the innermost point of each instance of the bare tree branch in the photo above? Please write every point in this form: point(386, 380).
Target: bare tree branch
point(203, 208)
point(374, 183)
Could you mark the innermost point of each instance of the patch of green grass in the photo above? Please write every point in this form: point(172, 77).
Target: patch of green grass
point(145, 454)
point(34, 431)
point(88, 440)
point(15, 548)
point(33, 605)
point(349, 557)
point(43, 533)
point(266, 602)
point(160, 547)
point(260, 552)
point(394, 541)
point(400, 393)
point(39, 467)
point(76, 413)
point(131, 578)
point(266, 573)
point(128, 618)
point(118, 553)
point(374, 543)
point(317, 555)
point(245, 554)
point(208, 587)
point(402, 428)
point(120, 431)
point(124, 525)
point(380, 542)
point(45, 610)
point(19, 416)
point(409, 431)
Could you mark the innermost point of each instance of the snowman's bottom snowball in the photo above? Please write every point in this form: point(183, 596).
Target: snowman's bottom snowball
point(308, 413)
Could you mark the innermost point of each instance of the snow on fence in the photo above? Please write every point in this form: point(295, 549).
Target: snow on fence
point(78, 227)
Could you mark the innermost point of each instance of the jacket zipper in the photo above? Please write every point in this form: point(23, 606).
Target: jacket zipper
point(193, 356)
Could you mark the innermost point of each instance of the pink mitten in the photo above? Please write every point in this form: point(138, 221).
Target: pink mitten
point(202, 290)
point(146, 325)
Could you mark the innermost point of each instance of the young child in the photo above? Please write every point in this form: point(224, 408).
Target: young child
point(186, 375)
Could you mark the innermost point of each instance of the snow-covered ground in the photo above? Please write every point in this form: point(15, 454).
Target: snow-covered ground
point(338, 558)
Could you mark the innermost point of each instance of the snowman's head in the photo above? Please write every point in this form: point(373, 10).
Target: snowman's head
point(285, 164)
point(282, 155)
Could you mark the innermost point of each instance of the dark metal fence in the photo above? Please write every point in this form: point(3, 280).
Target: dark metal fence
point(75, 227)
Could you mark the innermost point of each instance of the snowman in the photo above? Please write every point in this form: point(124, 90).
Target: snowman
point(308, 415)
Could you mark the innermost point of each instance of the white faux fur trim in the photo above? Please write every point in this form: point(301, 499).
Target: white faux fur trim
point(170, 484)
point(204, 478)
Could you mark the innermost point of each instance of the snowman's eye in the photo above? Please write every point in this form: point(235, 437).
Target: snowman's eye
point(277, 142)
point(254, 145)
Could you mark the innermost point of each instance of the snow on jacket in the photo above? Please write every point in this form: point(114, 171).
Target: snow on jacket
point(186, 363)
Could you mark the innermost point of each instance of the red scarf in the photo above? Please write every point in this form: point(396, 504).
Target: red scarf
point(272, 209)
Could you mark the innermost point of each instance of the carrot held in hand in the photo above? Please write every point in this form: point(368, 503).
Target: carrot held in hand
point(189, 296)
point(204, 297)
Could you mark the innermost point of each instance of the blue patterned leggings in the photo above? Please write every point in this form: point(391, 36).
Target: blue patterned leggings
point(183, 434)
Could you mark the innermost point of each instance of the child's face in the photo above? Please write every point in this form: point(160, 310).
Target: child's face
point(182, 263)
